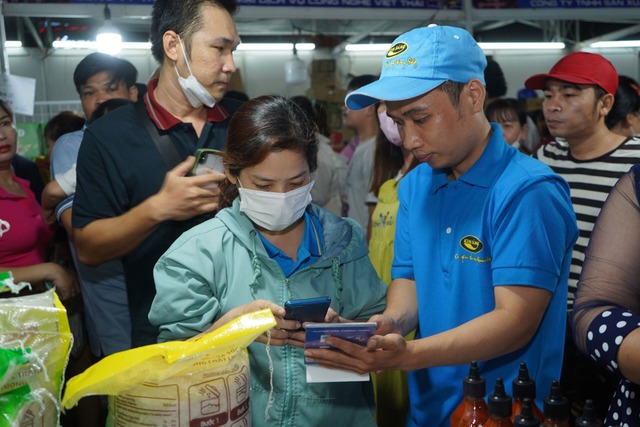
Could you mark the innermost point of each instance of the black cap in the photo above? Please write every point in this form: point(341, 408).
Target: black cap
point(474, 385)
point(588, 417)
point(556, 406)
point(499, 402)
point(526, 417)
point(523, 385)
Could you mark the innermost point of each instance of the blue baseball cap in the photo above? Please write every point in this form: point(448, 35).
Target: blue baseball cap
point(421, 60)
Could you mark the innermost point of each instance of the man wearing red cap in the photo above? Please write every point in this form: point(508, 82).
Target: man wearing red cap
point(579, 92)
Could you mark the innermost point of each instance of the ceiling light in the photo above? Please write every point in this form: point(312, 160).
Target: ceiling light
point(12, 43)
point(109, 38)
point(522, 46)
point(276, 46)
point(618, 43)
point(88, 44)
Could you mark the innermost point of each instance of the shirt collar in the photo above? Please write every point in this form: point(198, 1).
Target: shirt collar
point(492, 161)
point(308, 246)
point(165, 120)
point(308, 250)
point(483, 172)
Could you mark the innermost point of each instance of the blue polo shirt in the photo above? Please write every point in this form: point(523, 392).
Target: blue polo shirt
point(63, 157)
point(309, 250)
point(507, 221)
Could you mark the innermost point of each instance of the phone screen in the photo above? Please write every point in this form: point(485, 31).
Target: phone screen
point(307, 310)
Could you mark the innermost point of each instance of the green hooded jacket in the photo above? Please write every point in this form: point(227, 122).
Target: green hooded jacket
point(222, 263)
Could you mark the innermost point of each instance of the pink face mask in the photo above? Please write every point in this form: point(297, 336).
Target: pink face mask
point(389, 128)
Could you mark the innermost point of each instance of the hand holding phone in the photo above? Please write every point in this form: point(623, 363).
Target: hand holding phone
point(207, 160)
point(308, 309)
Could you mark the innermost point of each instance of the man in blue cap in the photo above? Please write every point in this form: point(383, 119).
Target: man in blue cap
point(483, 239)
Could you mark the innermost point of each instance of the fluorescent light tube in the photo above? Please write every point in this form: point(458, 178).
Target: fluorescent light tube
point(522, 46)
point(276, 46)
point(619, 43)
point(87, 44)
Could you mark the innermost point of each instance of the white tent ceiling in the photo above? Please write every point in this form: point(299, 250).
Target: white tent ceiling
point(334, 27)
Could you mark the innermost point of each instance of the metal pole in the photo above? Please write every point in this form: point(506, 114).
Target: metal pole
point(4, 57)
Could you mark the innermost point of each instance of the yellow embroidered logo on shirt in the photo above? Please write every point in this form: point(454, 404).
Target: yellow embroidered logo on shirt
point(471, 243)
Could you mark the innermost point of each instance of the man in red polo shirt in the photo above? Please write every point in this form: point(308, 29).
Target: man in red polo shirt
point(133, 199)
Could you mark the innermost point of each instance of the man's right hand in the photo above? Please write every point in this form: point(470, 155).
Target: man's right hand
point(182, 197)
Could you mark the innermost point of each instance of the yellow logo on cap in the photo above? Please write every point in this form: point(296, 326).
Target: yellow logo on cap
point(471, 243)
point(397, 49)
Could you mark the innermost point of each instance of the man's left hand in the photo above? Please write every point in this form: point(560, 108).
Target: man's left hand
point(381, 352)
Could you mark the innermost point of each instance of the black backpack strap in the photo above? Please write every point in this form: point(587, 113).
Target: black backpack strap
point(163, 142)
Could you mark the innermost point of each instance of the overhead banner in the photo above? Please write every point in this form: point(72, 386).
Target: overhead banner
point(369, 4)
point(406, 4)
point(554, 4)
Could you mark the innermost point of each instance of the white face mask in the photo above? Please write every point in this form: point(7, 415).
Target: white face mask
point(274, 211)
point(194, 91)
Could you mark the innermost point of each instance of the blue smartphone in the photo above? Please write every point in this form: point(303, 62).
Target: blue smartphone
point(308, 309)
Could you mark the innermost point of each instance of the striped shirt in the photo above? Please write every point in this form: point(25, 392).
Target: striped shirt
point(590, 182)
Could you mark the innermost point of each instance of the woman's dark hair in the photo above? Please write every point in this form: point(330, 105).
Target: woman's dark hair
point(264, 125)
point(182, 16)
point(387, 161)
point(627, 100)
point(506, 109)
point(316, 113)
point(306, 105)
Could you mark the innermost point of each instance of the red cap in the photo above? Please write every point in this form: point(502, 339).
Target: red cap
point(582, 68)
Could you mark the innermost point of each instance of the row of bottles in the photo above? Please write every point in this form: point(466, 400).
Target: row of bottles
point(501, 410)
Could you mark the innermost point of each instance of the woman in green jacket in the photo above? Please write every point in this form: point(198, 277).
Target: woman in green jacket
point(268, 246)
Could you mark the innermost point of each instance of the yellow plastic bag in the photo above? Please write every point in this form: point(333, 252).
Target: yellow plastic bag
point(35, 342)
point(202, 381)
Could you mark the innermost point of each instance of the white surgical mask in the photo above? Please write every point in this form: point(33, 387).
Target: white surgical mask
point(274, 211)
point(194, 91)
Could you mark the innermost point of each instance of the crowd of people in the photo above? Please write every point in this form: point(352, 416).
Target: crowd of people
point(448, 220)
